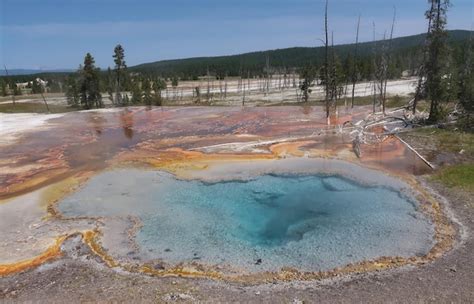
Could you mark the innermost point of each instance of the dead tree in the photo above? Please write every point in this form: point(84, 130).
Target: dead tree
point(225, 86)
point(345, 92)
point(248, 81)
point(220, 87)
point(354, 64)
point(334, 75)
point(381, 70)
point(267, 75)
point(374, 68)
point(8, 76)
point(44, 99)
point(389, 57)
point(208, 86)
point(243, 93)
point(326, 49)
point(198, 94)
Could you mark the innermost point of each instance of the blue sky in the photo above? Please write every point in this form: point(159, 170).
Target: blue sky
point(55, 34)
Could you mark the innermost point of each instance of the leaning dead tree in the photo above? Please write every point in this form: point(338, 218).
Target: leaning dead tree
point(44, 99)
point(376, 128)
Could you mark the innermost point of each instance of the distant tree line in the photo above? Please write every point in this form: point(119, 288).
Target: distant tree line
point(405, 52)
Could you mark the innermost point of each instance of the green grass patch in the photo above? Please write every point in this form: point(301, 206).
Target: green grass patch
point(392, 101)
point(27, 107)
point(31, 96)
point(458, 176)
point(449, 140)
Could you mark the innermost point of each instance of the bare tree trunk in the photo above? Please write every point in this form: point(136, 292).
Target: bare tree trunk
point(326, 47)
point(354, 65)
point(382, 72)
point(243, 93)
point(44, 100)
point(374, 69)
point(225, 87)
point(345, 94)
point(268, 76)
point(13, 93)
point(220, 87)
point(208, 86)
point(279, 80)
point(334, 94)
point(389, 50)
point(248, 81)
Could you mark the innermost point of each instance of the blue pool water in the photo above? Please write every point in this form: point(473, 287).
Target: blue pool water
point(310, 222)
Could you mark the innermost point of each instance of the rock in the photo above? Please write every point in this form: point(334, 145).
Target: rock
point(258, 262)
point(167, 250)
point(178, 296)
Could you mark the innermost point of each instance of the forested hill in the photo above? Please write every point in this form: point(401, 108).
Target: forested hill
point(406, 55)
point(406, 52)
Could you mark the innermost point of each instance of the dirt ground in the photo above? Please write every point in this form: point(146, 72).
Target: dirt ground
point(79, 277)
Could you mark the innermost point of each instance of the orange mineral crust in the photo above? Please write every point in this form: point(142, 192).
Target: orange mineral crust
point(51, 253)
point(79, 145)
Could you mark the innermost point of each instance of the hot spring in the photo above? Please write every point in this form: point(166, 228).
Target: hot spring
point(308, 221)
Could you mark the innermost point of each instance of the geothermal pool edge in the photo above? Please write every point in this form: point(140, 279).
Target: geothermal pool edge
point(444, 241)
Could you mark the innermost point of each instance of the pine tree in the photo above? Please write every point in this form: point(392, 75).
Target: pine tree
point(466, 85)
point(147, 96)
point(36, 88)
point(110, 85)
point(90, 84)
point(126, 100)
point(16, 89)
point(3, 88)
point(120, 72)
point(436, 66)
point(175, 81)
point(136, 92)
point(72, 91)
point(309, 75)
point(158, 85)
point(337, 78)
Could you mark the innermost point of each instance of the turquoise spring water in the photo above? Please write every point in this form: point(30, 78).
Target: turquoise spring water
point(310, 222)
